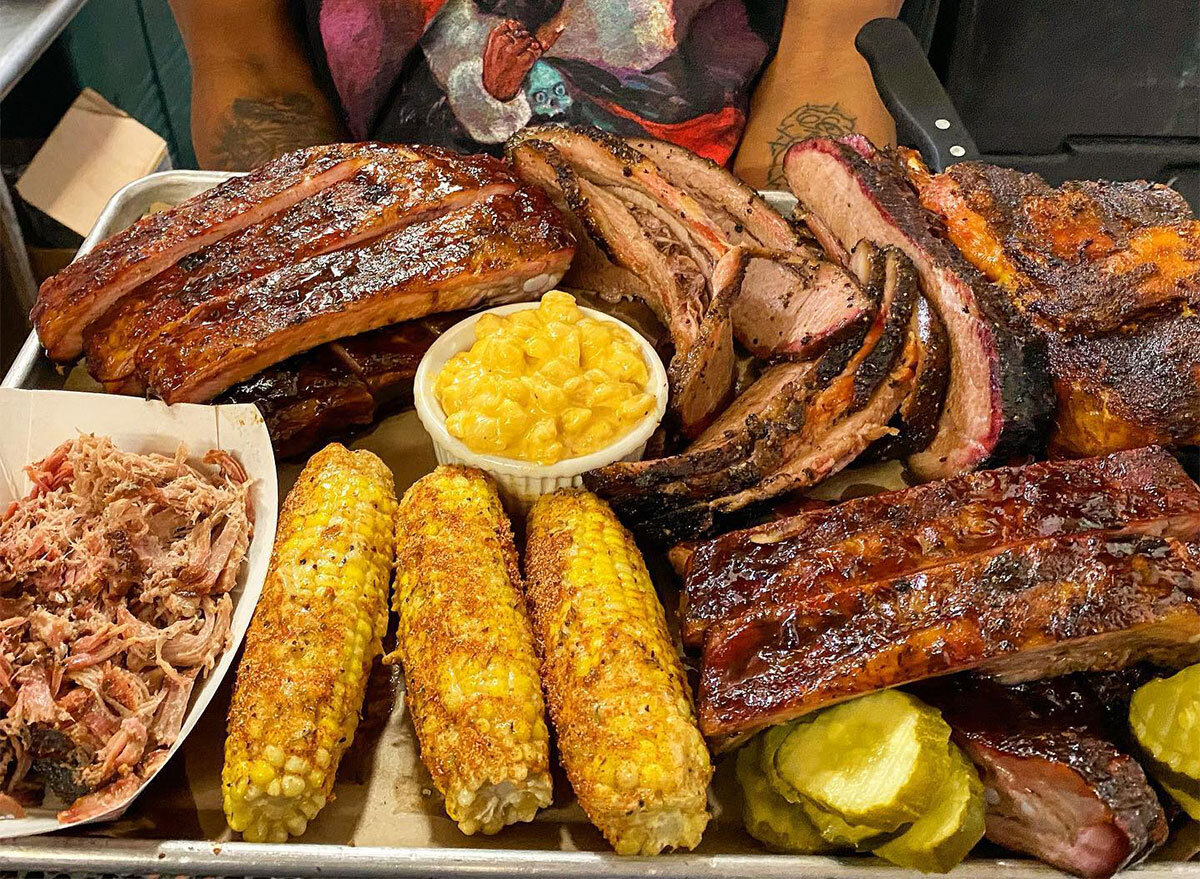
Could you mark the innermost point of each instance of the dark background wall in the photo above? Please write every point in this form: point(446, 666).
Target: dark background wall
point(127, 50)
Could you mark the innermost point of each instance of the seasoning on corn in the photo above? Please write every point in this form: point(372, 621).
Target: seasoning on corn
point(467, 649)
point(616, 688)
point(310, 646)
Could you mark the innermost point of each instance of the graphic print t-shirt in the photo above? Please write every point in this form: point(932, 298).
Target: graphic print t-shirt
point(470, 73)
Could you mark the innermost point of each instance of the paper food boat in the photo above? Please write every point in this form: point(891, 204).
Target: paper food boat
point(35, 422)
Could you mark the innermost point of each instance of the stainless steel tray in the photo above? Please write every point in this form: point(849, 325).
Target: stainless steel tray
point(183, 857)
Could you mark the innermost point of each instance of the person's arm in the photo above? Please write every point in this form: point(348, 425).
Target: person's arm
point(817, 84)
point(253, 92)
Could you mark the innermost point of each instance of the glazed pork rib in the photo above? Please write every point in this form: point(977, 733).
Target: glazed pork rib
point(1144, 491)
point(997, 398)
point(80, 293)
point(340, 387)
point(1091, 601)
point(504, 248)
point(306, 398)
point(1058, 786)
point(380, 197)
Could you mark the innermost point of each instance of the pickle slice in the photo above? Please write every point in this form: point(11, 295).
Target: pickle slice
point(1189, 801)
point(769, 818)
point(1165, 717)
point(835, 830)
point(769, 743)
point(876, 761)
point(943, 836)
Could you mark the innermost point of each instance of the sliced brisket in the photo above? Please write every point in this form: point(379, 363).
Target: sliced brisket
point(997, 398)
point(915, 424)
point(793, 306)
point(1058, 787)
point(798, 424)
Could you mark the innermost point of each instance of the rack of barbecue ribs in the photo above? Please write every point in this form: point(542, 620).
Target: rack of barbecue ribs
point(247, 289)
point(1018, 573)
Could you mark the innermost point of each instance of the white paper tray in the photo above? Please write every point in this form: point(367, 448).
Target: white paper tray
point(37, 422)
point(450, 855)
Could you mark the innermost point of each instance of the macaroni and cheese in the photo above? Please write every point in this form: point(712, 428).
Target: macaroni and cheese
point(544, 384)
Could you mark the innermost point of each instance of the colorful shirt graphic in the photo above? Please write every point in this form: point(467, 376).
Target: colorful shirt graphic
point(469, 73)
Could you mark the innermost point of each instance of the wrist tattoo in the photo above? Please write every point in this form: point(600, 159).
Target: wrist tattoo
point(807, 120)
point(256, 130)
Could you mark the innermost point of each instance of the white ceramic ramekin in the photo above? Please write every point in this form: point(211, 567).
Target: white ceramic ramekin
point(521, 482)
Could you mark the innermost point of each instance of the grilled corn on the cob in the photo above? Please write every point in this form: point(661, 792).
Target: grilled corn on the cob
point(467, 649)
point(616, 688)
point(310, 646)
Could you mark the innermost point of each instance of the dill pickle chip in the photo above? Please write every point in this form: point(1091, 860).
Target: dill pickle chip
point(838, 832)
point(876, 761)
point(1188, 799)
point(769, 743)
point(768, 817)
point(1165, 718)
point(943, 836)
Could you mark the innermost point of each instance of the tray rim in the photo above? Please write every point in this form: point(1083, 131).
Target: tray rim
point(202, 858)
point(129, 856)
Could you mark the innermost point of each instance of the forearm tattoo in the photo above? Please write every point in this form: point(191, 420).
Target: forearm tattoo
point(256, 130)
point(807, 120)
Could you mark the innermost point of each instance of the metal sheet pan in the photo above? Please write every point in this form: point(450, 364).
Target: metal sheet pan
point(182, 857)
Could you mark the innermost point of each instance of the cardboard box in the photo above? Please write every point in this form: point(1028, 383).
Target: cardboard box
point(93, 151)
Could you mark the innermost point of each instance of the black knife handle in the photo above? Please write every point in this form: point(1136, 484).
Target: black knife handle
point(925, 117)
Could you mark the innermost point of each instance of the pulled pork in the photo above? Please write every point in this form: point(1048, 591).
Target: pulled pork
point(115, 572)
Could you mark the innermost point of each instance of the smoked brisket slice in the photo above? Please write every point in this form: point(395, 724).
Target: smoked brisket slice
point(671, 234)
point(788, 307)
point(997, 399)
point(505, 248)
point(1036, 610)
point(1058, 786)
point(84, 290)
point(1144, 491)
point(798, 426)
point(381, 197)
point(915, 423)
